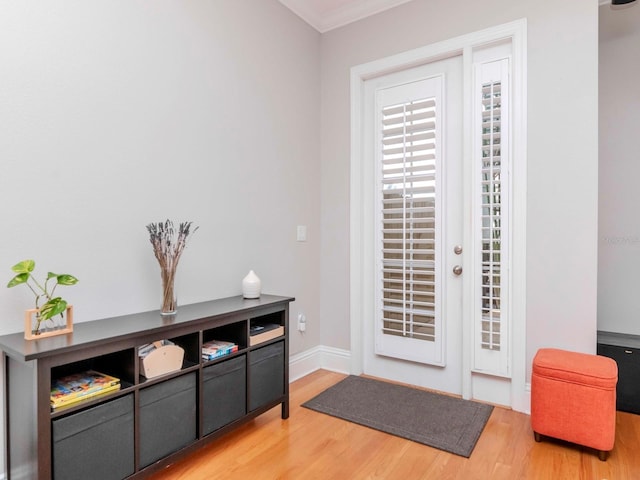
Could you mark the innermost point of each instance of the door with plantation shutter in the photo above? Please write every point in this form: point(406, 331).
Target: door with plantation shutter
point(417, 137)
point(438, 186)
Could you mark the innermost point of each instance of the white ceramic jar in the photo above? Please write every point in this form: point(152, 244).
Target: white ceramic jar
point(251, 286)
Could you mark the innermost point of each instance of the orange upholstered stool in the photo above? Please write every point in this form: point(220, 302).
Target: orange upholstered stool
point(573, 398)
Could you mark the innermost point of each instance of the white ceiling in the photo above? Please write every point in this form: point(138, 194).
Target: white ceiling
point(325, 15)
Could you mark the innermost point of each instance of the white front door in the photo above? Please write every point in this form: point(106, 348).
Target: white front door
point(438, 161)
point(413, 137)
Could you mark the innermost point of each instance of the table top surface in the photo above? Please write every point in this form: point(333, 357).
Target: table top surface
point(92, 332)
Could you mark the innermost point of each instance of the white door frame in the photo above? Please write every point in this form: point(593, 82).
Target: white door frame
point(362, 274)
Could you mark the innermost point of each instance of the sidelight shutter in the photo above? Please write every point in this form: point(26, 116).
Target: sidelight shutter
point(492, 166)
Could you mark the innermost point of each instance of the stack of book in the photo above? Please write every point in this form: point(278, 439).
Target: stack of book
point(75, 388)
point(217, 348)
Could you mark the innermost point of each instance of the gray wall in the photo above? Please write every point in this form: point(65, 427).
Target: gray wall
point(117, 113)
point(562, 153)
point(619, 220)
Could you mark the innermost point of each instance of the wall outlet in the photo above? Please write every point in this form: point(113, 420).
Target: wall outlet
point(301, 233)
point(302, 322)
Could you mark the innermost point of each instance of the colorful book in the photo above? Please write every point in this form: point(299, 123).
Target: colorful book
point(80, 385)
point(66, 402)
point(217, 348)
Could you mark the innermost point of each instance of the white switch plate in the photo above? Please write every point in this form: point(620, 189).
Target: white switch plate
point(302, 233)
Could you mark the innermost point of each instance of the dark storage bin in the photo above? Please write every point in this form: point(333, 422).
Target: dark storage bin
point(266, 375)
point(628, 388)
point(96, 443)
point(225, 393)
point(167, 418)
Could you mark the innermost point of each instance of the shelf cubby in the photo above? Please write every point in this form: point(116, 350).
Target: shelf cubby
point(232, 332)
point(119, 364)
point(263, 328)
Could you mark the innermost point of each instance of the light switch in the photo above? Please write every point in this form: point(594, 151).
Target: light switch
point(302, 233)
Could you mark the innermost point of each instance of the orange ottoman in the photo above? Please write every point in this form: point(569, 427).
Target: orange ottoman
point(573, 398)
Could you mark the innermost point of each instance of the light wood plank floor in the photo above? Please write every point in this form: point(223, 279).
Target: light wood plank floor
point(311, 445)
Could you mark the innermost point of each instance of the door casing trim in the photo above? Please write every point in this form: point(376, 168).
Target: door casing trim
point(361, 269)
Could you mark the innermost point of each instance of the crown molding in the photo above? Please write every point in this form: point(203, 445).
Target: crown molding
point(324, 16)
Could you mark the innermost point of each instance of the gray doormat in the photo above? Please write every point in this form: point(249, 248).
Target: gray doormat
point(448, 423)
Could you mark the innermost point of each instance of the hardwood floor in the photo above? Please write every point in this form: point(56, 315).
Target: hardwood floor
point(311, 445)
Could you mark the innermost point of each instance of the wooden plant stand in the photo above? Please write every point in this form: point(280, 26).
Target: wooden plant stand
point(29, 325)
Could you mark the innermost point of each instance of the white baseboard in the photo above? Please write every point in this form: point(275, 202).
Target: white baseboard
point(327, 358)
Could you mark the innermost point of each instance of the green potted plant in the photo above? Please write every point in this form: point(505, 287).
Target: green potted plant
point(43, 291)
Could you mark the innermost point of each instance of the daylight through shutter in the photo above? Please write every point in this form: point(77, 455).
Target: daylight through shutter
point(408, 213)
point(490, 199)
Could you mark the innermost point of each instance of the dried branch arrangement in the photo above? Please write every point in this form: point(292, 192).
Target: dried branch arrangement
point(168, 247)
